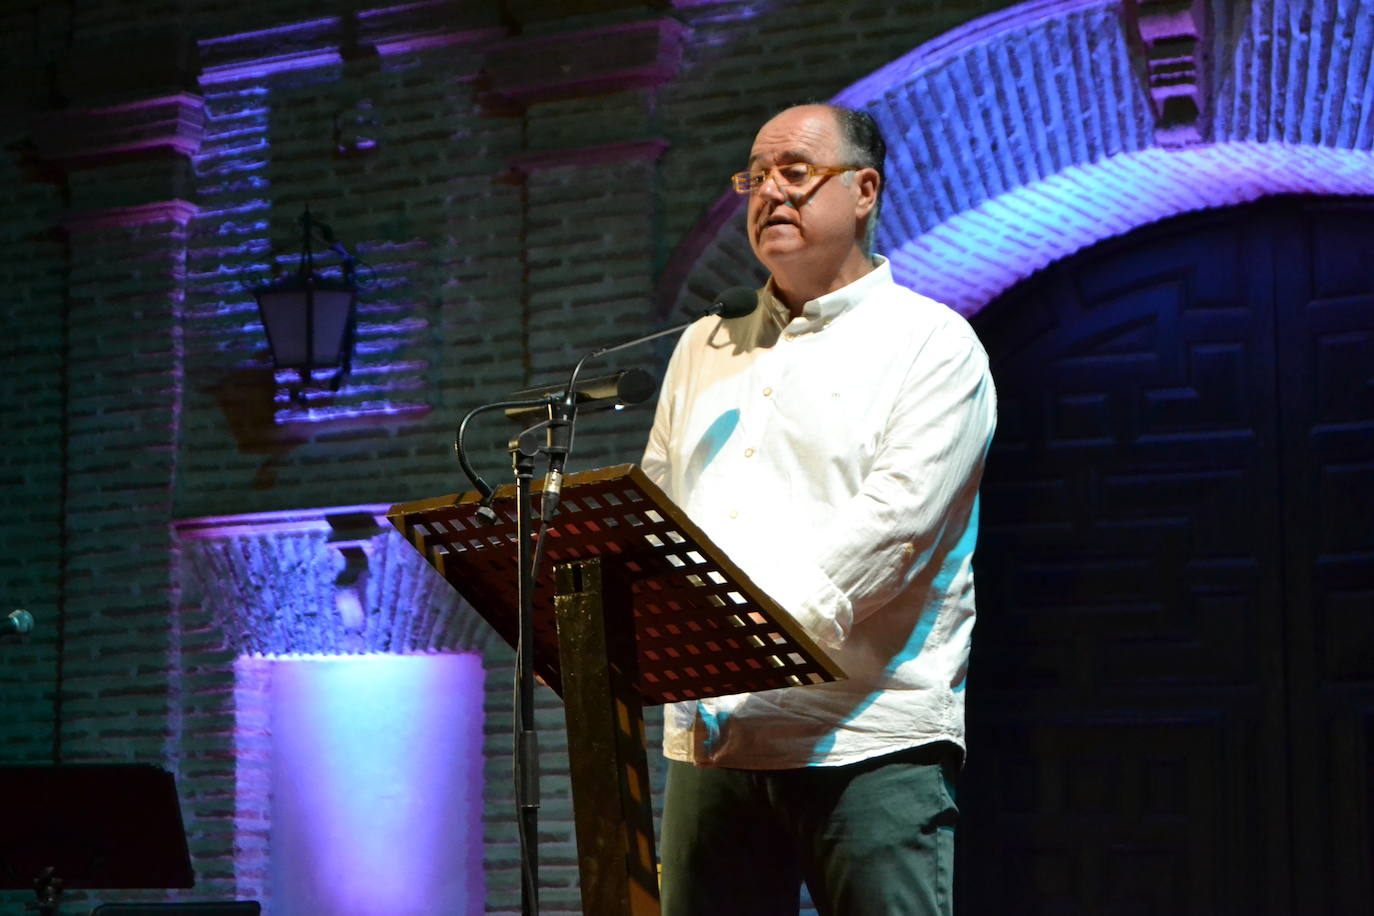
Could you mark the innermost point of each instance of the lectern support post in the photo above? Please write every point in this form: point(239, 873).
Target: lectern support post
point(605, 720)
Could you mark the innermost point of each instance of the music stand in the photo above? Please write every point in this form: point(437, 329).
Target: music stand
point(92, 827)
point(635, 606)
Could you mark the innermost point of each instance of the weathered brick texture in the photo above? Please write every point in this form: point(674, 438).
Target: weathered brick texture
point(33, 274)
point(510, 219)
point(506, 230)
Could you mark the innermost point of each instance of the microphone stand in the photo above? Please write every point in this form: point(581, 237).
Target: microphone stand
point(524, 450)
point(556, 444)
point(562, 421)
point(559, 429)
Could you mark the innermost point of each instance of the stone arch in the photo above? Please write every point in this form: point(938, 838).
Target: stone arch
point(1029, 134)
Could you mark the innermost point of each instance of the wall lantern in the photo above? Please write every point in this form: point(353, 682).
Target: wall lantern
point(309, 318)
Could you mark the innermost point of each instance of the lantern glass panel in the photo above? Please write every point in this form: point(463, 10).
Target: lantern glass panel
point(284, 316)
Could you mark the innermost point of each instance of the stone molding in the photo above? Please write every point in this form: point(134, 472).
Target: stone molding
point(173, 122)
point(176, 211)
point(328, 581)
point(328, 41)
point(414, 27)
point(1169, 39)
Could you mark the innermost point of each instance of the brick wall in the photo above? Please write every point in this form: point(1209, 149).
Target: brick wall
point(517, 180)
point(1058, 130)
point(33, 268)
point(513, 211)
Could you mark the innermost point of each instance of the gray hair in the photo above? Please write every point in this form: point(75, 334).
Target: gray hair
point(863, 146)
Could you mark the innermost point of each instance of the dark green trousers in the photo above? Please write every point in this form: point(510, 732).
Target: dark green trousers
point(875, 838)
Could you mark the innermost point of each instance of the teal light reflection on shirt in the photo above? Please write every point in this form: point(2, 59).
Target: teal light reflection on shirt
point(953, 562)
point(711, 442)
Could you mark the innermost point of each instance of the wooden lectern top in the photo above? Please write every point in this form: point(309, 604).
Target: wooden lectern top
point(702, 628)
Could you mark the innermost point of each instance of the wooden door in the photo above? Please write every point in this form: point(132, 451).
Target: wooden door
point(1173, 673)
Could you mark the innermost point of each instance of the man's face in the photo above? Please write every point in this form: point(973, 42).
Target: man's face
point(815, 222)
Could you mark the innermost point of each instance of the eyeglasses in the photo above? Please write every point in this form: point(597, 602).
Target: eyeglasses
point(791, 175)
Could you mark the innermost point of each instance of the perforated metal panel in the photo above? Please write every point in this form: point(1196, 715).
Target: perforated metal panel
point(702, 628)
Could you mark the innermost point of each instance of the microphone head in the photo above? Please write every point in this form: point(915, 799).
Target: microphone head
point(735, 302)
point(635, 386)
point(21, 620)
point(620, 389)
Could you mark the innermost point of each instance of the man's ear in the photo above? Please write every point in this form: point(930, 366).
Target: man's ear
point(868, 183)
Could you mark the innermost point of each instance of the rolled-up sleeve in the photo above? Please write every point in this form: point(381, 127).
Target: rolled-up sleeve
point(913, 507)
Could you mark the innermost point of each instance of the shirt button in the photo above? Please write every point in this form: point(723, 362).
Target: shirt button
point(749, 453)
point(767, 392)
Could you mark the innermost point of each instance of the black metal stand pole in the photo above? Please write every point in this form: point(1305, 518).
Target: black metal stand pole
point(526, 741)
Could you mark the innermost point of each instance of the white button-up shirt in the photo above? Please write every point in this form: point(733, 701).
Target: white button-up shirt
point(836, 458)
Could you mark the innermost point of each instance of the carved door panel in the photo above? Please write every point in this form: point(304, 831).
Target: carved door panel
point(1139, 675)
point(1326, 399)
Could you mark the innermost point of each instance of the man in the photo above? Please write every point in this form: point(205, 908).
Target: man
point(832, 443)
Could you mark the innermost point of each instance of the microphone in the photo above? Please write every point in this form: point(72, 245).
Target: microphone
point(629, 386)
point(17, 623)
point(622, 389)
point(735, 302)
point(614, 391)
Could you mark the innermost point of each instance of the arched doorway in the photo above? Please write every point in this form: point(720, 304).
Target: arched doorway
point(1171, 705)
point(1024, 136)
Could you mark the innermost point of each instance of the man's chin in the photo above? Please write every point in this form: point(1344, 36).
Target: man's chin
point(773, 252)
point(781, 231)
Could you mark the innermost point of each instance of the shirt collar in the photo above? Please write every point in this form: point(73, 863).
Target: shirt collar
point(826, 308)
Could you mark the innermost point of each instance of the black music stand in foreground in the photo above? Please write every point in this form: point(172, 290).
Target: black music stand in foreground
point(91, 827)
point(635, 607)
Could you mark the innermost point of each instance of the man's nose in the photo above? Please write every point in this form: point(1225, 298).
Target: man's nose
point(771, 189)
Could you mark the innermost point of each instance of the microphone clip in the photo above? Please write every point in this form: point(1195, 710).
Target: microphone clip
point(558, 443)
